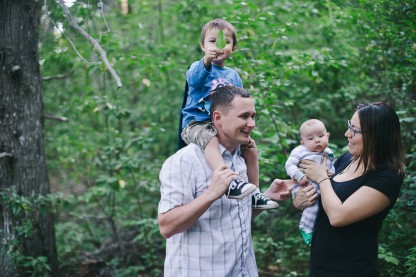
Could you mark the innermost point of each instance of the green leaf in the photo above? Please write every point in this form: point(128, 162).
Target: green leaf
point(220, 43)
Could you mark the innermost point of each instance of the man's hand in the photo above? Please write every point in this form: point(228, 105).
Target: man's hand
point(279, 190)
point(221, 179)
point(305, 197)
point(304, 181)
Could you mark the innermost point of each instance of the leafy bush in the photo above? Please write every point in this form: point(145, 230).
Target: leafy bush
point(300, 59)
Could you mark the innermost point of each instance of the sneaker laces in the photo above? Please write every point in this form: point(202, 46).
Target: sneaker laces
point(261, 196)
point(235, 184)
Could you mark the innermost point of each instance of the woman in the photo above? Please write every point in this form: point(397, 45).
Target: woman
point(357, 198)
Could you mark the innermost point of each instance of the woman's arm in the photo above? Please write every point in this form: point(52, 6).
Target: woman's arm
point(362, 204)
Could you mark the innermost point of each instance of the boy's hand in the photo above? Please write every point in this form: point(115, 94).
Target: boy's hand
point(249, 149)
point(211, 54)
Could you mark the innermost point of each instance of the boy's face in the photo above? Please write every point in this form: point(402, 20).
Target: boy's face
point(210, 40)
point(315, 138)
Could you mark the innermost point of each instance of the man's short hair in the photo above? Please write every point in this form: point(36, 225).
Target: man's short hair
point(222, 97)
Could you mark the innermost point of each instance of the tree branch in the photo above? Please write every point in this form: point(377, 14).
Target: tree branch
point(59, 76)
point(5, 154)
point(92, 41)
point(55, 117)
point(62, 33)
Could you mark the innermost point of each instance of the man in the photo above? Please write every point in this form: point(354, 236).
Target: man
point(207, 233)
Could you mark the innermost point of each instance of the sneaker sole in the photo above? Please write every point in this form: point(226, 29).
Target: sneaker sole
point(267, 207)
point(245, 194)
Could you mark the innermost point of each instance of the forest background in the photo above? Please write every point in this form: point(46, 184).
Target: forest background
point(300, 59)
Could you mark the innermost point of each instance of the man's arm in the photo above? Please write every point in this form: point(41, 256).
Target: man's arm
point(183, 217)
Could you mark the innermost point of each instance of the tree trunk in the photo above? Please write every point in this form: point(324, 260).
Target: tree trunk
point(22, 156)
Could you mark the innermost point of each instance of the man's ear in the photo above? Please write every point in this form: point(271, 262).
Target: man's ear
point(327, 134)
point(216, 117)
point(202, 47)
point(301, 142)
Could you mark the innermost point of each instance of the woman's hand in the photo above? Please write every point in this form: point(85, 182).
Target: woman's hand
point(305, 197)
point(314, 171)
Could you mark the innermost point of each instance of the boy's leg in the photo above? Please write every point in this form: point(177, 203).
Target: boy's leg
point(204, 135)
point(250, 155)
point(212, 154)
point(259, 200)
point(238, 188)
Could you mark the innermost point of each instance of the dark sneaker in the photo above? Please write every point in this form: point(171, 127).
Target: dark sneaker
point(239, 189)
point(262, 202)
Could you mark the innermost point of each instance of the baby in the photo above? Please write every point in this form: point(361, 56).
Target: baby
point(314, 146)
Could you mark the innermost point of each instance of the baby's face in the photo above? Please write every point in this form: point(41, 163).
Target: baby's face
point(315, 138)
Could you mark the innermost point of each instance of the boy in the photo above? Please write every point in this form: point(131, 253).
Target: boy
point(314, 146)
point(203, 77)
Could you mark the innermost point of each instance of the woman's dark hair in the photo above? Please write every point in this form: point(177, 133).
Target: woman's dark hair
point(381, 137)
point(222, 97)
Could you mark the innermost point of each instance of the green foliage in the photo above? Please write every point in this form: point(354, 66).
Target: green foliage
point(279, 248)
point(35, 267)
point(300, 59)
point(22, 216)
point(411, 262)
point(387, 256)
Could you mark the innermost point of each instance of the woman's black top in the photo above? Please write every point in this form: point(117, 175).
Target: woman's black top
point(352, 250)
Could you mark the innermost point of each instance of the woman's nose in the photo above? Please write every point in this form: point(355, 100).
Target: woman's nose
point(251, 122)
point(347, 133)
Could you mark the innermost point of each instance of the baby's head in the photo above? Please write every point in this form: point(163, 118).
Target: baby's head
point(220, 24)
point(313, 135)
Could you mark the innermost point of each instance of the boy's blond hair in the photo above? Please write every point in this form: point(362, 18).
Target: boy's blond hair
point(220, 24)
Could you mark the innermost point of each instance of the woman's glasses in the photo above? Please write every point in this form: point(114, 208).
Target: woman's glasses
point(352, 129)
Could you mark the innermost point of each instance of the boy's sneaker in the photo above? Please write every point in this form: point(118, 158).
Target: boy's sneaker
point(262, 202)
point(239, 189)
